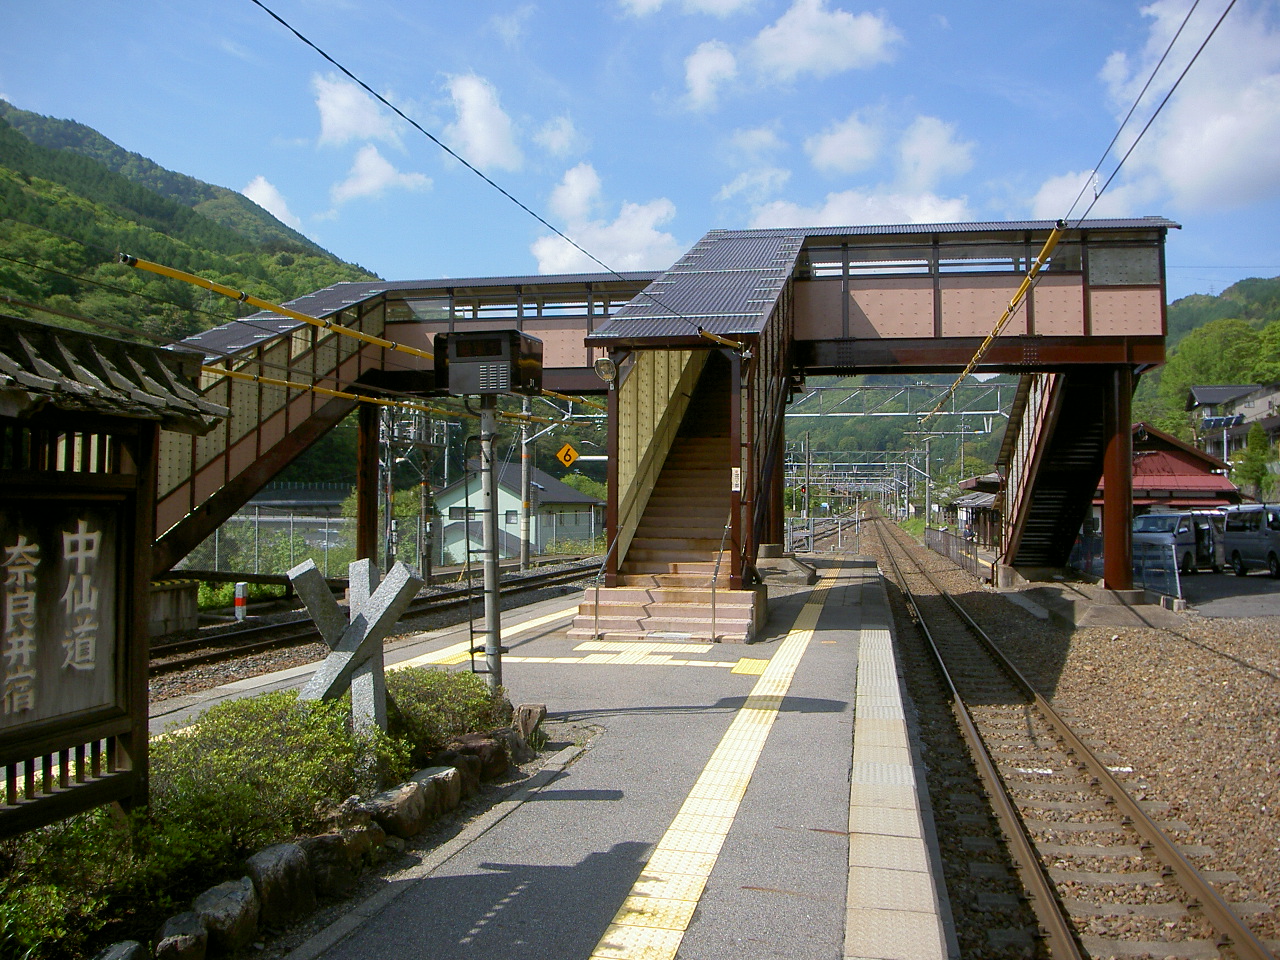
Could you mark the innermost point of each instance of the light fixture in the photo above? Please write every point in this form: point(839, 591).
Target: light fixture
point(606, 370)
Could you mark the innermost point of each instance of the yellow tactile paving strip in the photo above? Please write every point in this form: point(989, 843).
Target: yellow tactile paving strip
point(652, 920)
point(460, 652)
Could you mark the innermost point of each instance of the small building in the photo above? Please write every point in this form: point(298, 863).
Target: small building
point(1172, 475)
point(558, 514)
point(1228, 413)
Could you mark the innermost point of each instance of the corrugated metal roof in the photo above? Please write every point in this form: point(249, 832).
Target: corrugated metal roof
point(42, 364)
point(230, 338)
point(728, 283)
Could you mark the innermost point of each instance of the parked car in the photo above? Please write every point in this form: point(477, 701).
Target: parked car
point(1196, 537)
point(1253, 537)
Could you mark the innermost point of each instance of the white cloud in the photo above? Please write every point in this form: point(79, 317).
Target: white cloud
point(559, 137)
point(928, 152)
point(264, 193)
point(719, 8)
point(1216, 145)
point(512, 26)
point(755, 185)
point(632, 241)
point(577, 194)
point(855, 207)
point(1057, 194)
point(372, 175)
point(847, 146)
point(483, 133)
point(809, 38)
point(756, 141)
point(348, 113)
point(705, 70)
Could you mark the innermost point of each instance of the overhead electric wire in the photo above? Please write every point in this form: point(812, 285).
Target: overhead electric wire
point(724, 341)
point(1056, 233)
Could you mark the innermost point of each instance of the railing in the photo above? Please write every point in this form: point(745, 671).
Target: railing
point(1027, 448)
point(962, 551)
point(715, 574)
point(1155, 565)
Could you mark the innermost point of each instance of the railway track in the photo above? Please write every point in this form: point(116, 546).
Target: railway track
point(1102, 876)
point(170, 657)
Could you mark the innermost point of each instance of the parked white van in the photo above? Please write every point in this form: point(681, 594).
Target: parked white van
point(1253, 537)
point(1196, 537)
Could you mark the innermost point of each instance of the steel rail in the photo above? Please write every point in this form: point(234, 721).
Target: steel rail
point(1233, 933)
point(298, 632)
point(1204, 896)
point(1056, 927)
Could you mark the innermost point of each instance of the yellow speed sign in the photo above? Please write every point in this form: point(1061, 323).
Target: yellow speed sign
point(567, 455)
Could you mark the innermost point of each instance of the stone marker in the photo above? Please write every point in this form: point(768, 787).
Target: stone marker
point(356, 639)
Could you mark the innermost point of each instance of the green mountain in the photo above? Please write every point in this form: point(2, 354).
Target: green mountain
point(70, 200)
point(1255, 300)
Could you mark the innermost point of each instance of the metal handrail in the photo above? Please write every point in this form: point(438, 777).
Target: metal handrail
point(715, 574)
point(595, 629)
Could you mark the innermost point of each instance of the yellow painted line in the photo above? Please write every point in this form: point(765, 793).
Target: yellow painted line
point(621, 659)
point(460, 652)
point(652, 920)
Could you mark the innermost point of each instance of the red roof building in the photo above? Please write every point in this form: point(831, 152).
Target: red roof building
point(1169, 474)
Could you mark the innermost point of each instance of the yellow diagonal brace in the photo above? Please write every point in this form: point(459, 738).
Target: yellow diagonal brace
point(234, 294)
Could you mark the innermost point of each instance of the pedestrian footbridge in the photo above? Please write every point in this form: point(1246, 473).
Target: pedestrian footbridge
point(706, 356)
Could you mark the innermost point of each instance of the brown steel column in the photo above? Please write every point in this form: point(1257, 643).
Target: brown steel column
point(777, 487)
point(367, 482)
point(1117, 489)
point(611, 478)
point(735, 460)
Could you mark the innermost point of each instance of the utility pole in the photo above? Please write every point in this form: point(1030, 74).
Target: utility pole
point(489, 514)
point(526, 483)
point(928, 485)
point(808, 467)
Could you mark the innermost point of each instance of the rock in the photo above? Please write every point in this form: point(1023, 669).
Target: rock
point(332, 869)
point(352, 813)
point(124, 950)
point(400, 811)
point(517, 747)
point(229, 912)
point(363, 843)
point(395, 844)
point(528, 717)
point(442, 788)
point(468, 767)
point(283, 881)
point(182, 938)
point(494, 760)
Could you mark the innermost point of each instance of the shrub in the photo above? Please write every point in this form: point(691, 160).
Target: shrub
point(428, 707)
point(255, 771)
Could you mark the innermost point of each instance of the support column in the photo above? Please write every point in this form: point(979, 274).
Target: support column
point(611, 494)
point(489, 514)
point(737, 533)
point(777, 506)
point(1117, 490)
point(526, 484)
point(367, 482)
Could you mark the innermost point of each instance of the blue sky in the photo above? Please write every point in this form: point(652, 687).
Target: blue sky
point(637, 125)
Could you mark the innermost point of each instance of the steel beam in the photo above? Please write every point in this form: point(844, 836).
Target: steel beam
point(1117, 491)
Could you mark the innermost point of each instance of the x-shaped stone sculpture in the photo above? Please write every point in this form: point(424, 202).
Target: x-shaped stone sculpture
point(355, 638)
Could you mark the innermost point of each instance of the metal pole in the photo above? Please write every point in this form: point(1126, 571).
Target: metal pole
point(526, 485)
point(489, 508)
point(257, 525)
point(808, 466)
point(928, 485)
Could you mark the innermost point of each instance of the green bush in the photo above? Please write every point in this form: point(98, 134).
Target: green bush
point(213, 596)
point(245, 774)
point(428, 707)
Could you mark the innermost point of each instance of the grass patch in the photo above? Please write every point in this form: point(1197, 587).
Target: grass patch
point(244, 775)
point(214, 596)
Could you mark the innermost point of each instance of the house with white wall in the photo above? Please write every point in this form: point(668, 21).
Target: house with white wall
point(558, 514)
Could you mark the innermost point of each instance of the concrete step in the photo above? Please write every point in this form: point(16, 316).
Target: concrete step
point(679, 544)
point(587, 632)
point(667, 595)
point(674, 624)
point(657, 578)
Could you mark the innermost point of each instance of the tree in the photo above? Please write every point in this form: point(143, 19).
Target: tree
point(1252, 472)
point(1221, 352)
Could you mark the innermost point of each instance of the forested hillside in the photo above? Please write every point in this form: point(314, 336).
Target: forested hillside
point(1233, 338)
point(70, 200)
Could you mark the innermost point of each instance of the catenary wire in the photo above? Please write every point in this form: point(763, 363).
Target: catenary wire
point(483, 176)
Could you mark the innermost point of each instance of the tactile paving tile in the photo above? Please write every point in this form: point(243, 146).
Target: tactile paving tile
point(692, 842)
point(671, 886)
point(666, 860)
point(886, 774)
point(886, 821)
point(655, 912)
point(637, 943)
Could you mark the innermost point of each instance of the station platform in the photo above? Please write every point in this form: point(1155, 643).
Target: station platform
point(727, 801)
